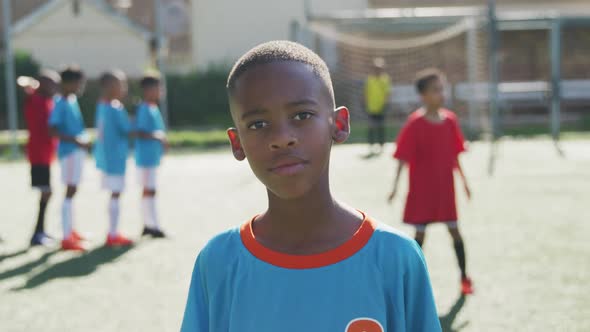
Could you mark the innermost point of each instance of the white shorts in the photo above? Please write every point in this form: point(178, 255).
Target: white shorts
point(450, 224)
point(113, 183)
point(146, 177)
point(71, 167)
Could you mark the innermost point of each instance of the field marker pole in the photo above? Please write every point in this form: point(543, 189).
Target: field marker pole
point(494, 68)
point(472, 59)
point(555, 51)
point(159, 31)
point(10, 77)
point(493, 85)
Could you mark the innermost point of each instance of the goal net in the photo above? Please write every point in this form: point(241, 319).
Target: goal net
point(458, 49)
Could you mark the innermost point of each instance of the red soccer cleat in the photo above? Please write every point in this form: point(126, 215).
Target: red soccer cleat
point(72, 244)
point(76, 236)
point(466, 286)
point(118, 240)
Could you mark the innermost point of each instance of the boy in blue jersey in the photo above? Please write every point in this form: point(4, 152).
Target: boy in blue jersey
point(112, 146)
point(67, 124)
point(149, 146)
point(309, 262)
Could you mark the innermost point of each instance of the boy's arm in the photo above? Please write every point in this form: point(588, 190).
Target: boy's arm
point(144, 129)
point(420, 310)
point(123, 122)
point(54, 121)
point(53, 131)
point(158, 135)
point(196, 314)
point(464, 179)
point(400, 167)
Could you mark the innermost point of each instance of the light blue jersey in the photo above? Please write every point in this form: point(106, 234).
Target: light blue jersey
point(148, 152)
point(98, 149)
point(112, 142)
point(376, 282)
point(67, 119)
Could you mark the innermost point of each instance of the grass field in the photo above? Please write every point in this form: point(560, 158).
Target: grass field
point(526, 233)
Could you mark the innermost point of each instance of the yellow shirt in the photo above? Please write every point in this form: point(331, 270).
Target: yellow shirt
point(376, 93)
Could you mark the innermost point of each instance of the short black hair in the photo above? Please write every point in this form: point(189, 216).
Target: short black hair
point(425, 77)
point(148, 81)
point(280, 50)
point(110, 76)
point(71, 73)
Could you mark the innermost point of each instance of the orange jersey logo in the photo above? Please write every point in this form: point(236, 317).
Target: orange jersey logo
point(364, 325)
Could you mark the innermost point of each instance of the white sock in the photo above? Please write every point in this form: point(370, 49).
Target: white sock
point(113, 216)
point(66, 217)
point(150, 217)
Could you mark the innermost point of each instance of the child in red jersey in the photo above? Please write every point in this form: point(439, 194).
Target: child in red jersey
point(41, 145)
point(430, 143)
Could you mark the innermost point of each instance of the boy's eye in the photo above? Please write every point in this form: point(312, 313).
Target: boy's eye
point(303, 115)
point(258, 125)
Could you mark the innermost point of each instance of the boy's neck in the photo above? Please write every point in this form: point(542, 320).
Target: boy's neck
point(309, 224)
point(432, 112)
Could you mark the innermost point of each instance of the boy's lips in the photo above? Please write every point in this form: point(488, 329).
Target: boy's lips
point(288, 166)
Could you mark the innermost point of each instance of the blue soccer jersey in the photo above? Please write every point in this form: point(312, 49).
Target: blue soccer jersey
point(112, 137)
point(375, 282)
point(67, 119)
point(148, 152)
point(98, 149)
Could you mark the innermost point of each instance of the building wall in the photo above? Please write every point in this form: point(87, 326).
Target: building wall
point(439, 3)
point(224, 29)
point(91, 39)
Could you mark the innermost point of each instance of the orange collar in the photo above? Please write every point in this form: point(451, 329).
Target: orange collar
point(288, 261)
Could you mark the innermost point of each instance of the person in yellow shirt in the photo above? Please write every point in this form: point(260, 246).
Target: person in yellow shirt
point(377, 92)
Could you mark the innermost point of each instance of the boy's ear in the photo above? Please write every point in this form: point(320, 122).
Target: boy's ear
point(341, 129)
point(236, 145)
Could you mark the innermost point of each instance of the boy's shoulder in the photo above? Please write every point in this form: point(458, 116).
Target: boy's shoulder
point(395, 251)
point(59, 100)
point(148, 106)
point(391, 237)
point(116, 104)
point(414, 117)
point(222, 246)
point(448, 114)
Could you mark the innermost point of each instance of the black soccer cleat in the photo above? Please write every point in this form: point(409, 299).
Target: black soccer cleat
point(153, 232)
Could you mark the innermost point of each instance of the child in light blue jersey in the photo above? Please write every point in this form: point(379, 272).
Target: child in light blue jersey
point(112, 147)
point(67, 124)
point(149, 147)
point(309, 262)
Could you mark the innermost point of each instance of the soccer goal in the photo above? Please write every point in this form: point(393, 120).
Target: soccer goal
point(505, 69)
point(408, 41)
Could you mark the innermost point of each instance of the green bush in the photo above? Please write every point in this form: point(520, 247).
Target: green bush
point(24, 65)
point(199, 99)
point(195, 100)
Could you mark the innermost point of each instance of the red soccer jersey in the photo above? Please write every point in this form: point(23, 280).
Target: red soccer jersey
point(431, 150)
point(41, 146)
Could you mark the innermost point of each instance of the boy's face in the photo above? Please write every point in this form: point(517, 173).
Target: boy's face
point(285, 124)
point(378, 70)
point(152, 93)
point(434, 95)
point(118, 89)
point(47, 87)
point(74, 87)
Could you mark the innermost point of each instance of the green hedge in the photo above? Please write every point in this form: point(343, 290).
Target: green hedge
point(199, 99)
point(24, 65)
point(195, 100)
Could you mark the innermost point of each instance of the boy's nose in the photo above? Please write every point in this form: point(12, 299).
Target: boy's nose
point(282, 139)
